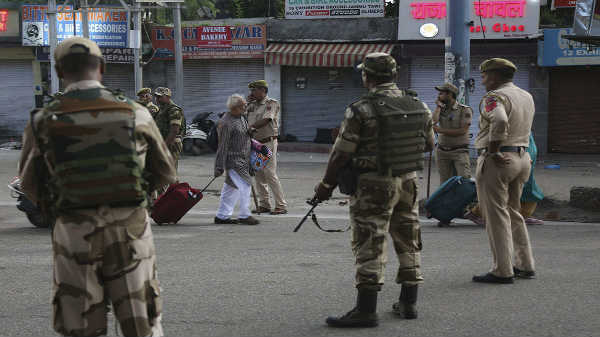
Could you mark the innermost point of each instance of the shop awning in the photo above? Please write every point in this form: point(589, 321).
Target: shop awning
point(321, 54)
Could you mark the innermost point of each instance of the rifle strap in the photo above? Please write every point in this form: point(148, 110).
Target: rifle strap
point(313, 216)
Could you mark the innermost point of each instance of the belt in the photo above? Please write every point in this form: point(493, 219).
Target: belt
point(268, 139)
point(451, 148)
point(517, 149)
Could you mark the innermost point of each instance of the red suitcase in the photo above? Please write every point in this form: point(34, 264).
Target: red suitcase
point(174, 203)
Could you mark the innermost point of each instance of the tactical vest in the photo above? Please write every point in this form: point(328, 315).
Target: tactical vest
point(401, 136)
point(90, 146)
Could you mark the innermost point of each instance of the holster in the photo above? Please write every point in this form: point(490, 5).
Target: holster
point(347, 179)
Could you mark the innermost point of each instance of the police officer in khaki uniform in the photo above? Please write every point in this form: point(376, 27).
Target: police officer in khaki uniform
point(263, 117)
point(384, 135)
point(145, 98)
point(170, 121)
point(502, 168)
point(453, 120)
point(85, 162)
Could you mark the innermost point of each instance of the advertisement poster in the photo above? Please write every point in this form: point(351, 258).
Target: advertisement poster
point(333, 9)
point(212, 42)
point(492, 19)
point(558, 51)
point(107, 28)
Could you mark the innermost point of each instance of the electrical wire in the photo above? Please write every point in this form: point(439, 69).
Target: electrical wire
point(481, 22)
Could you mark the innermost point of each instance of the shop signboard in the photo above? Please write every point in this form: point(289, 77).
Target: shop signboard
point(333, 9)
point(107, 28)
point(217, 42)
point(500, 19)
point(555, 51)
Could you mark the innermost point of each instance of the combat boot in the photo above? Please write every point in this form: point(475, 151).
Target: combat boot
point(407, 305)
point(364, 315)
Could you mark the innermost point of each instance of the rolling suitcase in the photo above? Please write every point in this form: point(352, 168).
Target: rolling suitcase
point(172, 205)
point(450, 199)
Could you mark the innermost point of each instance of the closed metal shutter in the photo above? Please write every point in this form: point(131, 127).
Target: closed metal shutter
point(321, 104)
point(427, 72)
point(574, 121)
point(17, 98)
point(120, 76)
point(208, 83)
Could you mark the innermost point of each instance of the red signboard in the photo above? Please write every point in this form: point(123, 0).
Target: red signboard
point(564, 3)
point(243, 41)
point(214, 36)
point(3, 20)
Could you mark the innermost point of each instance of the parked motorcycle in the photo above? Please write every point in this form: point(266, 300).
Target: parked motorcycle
point(197, 132)
point(26, 206)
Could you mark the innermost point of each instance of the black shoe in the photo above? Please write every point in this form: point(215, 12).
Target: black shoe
point(251, 221)
point(229, 221)
point(261, 209)
point(491, 278)
point(526, 274)
point(444, 224)
point(406, 306)
point(362, 316)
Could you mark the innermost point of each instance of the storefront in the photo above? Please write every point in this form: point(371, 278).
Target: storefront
point(574, 69)
point(17, 73)
point(318, 81)
point(211, 72)
point(502, 29)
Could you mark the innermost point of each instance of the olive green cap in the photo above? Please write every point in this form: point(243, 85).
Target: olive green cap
point(258, 84)
point(76, 45)
point(144, 91)
point(496, 63)
point(449, 87)
point(162, 91)
point(379, 64)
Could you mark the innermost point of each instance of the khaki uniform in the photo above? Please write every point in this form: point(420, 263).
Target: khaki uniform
point(506, 116)
point(267, 177)
point(171, 114)
point(103, 254)
point(382, 203)
point(453, 151)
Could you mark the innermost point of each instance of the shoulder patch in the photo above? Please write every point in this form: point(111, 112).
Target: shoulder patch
point(491, 102)
point(349, 113)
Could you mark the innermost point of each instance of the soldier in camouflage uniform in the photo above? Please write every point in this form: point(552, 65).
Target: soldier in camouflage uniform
point(145, 99)
point(383, 135)
point(170, 121)
point(84, 160)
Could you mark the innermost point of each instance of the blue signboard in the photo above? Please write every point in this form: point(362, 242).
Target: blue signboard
point(107, 28)
point(557, 51)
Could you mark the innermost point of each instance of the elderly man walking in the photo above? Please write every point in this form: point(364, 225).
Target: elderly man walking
point(233, 159)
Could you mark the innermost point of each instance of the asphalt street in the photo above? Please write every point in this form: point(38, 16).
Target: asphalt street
point(230, 280)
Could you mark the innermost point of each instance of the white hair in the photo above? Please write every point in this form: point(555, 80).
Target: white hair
point(234, 100)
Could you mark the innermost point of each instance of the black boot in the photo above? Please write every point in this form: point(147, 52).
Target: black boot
point(407, 304)
point(362, 316)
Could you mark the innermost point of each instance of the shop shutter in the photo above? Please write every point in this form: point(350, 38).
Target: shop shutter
point(574, 121)
point(208, 83)
point(120, 76)
point(17, 98)
point(321, 104)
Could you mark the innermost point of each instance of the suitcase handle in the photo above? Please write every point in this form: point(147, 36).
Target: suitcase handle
point(210, 182)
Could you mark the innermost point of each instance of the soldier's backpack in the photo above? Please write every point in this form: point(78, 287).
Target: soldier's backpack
point(88, 137)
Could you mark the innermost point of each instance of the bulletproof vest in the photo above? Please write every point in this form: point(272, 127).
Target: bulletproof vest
point(90, 145)
point(400, 135)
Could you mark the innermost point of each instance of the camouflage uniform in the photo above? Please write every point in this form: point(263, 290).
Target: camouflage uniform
point(171, 114)
point(382, 203)
point(103, 250)
point(152, 108)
